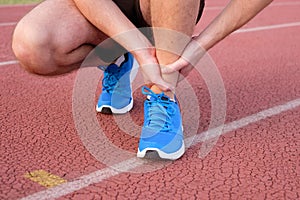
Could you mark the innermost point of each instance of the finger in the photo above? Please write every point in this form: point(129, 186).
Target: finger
point(149, 85)
point(159, 82)
point(175, 66)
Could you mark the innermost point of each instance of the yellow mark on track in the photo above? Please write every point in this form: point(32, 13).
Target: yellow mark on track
point(44, 178)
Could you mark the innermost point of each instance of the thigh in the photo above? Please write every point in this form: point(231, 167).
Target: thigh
point(144, 13)
point(54, 38)
point(61, 25)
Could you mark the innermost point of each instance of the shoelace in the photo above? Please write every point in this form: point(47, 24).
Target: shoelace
point(110, 80)
point(111, 77)
point(160, 111)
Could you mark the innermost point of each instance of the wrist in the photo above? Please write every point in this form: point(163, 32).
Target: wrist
point(146, 55)
point(203, 42)
point(193, 52)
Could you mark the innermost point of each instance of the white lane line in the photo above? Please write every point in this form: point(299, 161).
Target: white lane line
point(262, 28)
point(8, 24)
point(291, 3)
point(11, 62)
point(206, 8)
point(271, 5)
point(231, 126)
point(243, 30)
point(100, 175)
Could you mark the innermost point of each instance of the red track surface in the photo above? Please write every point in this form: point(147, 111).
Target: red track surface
point(260, 69)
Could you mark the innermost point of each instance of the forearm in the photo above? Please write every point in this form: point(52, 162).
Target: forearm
point(108, 18)
point(236, 14)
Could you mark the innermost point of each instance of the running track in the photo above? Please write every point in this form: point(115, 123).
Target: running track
point(257, 156)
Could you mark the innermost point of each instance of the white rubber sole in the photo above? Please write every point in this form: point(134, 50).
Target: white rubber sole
point(163, 155)
point(127, 108)
point(116, 110)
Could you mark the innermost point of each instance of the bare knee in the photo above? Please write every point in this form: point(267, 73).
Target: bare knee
point(28, 46)
point(46, 44)
point(31, 47)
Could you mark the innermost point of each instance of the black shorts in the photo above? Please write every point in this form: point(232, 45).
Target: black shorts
point(132, 10)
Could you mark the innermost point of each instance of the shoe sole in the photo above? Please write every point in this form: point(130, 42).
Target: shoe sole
point(106, 109)
point(163, 155)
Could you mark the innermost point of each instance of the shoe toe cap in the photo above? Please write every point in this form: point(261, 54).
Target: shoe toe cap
point(167, 142)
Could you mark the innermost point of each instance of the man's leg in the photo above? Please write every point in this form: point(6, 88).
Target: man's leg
point(162, 130)
point(177, 15)
point(54, 38)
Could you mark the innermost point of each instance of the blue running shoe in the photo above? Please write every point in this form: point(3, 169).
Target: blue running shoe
point(116, 96)
point(162, 130)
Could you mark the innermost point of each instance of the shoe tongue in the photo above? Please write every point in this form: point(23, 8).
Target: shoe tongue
point(112, 68)
point(114, 65)
point(164, 98)
point(161, 96)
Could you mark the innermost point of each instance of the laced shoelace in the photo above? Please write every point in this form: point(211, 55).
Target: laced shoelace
point(110, 80)
point(112, 75)
point(160, 111)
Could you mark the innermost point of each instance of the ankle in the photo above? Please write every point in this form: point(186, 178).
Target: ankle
point(157, 90)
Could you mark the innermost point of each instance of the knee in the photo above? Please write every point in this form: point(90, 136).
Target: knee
point(32, 48)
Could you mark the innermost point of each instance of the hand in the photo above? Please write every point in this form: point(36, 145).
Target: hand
point(191, 55)
point(180, 65)
point(151, 70)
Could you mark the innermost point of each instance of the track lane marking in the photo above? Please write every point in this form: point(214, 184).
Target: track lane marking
point(242, 30)
point(268, 27)
point(108, 172)
point(10, 62)
point(8, 24)
point(44, 178)
point(271, 5)
point(208, 8)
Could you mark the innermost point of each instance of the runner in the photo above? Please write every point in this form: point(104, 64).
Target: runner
point(57, 35)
